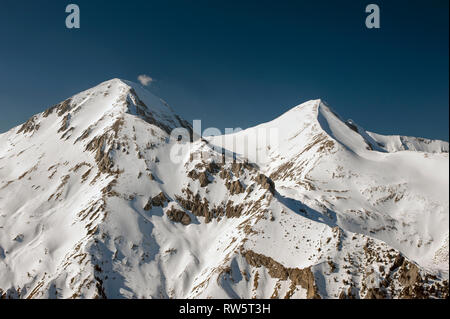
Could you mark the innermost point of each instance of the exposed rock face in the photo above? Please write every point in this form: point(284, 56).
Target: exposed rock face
point(201, 207)
point(201, 177)
point(29, 126)
point(399, 260)
point(235, 187)
point(298, 277)
point(416, 287)
point(225, 174)
point(196, 205)
point(157, 201)
point(239, 167)
point(375, 293)
point(101, 145)
point(233, 211)
point(178, 216)
point(409, 274)
point(64, 123)
point(265, 182)
point(60, 108)
point(402, 273)
point(305, 278)
point(212, 168)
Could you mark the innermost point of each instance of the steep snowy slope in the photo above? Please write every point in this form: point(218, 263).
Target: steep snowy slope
point(98, 199)
point(399, 197)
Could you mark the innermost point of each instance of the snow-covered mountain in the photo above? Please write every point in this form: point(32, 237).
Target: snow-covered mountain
point(93, 205)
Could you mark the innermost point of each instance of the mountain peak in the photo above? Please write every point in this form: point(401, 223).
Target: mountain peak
point(93, 204)
point(112, 99)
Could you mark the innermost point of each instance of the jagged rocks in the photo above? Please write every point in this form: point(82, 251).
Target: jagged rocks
point(196, 206)
point(403, 279)
point(410, 279)
point(298, 277)
point(332, 266)
point(64, 123)
point(225, 174)
point(157, 201)
point(178, 216)
point(409, 274)
point(275, 269)
point(201, 177)
point(200, 207)
point(282, 171)
point(305, 278)
point(265, 183)
point(108, 190)
point(212, 167)
point(347, 295)
point(397, 262)
point(239, 167)
point(375, 293)
point(59, 190)
point(61, 108)
point(85, 175)
point(233, 211)
point(84, 135)
point(102, 157)
point(117, 126)
point(236, 168)
point(29, 126)
point(235, 187)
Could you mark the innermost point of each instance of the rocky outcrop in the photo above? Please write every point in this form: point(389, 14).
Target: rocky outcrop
point(178, 216)
point(196, 205)
point(60, 108)
point(157, 201)
point(375, 293)
point(201, 177)
point(200, 207)
point(233, 211)
point(265, 183)
point(235, 187)
point(403, 279)
point(298, 277)
point(29, 126)
point(102, 156)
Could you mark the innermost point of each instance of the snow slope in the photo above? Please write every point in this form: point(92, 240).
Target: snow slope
point(371, 189)
point(93, 204)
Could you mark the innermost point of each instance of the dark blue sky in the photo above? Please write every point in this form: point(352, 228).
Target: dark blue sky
point(236, 63)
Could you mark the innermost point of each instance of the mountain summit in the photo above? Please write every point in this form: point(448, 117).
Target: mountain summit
point(93, 205)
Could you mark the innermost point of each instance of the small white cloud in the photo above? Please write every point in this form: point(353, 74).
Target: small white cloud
point(145, 79)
